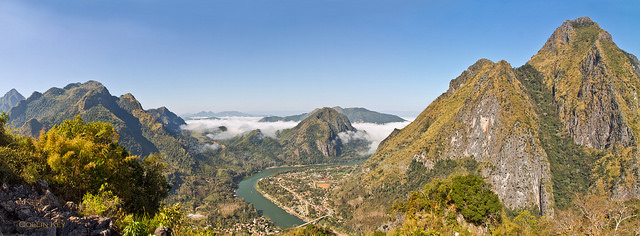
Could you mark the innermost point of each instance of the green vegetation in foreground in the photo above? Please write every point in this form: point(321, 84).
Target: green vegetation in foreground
point(309, 230)
point(466, 195)
point(77, 158)
point(84, 163)
point(466, 205)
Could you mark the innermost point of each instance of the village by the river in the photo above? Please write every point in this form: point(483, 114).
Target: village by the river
point(291, 196)
point(304, 192)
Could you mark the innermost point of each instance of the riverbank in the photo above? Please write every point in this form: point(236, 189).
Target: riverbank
point(247, 191)
point(267, 205)
point(282, 206)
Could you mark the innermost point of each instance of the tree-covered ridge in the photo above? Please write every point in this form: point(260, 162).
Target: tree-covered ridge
point(141, 131)
point(84, 163)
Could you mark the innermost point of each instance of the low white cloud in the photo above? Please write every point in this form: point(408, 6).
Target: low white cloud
point(349, 136)
point(236, 126)
point(375, 133)
point(213, 146)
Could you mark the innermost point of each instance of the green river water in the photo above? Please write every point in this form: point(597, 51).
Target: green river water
point(247, 190)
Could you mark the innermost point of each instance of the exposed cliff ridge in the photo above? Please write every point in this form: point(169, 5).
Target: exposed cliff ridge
point(594, 84)
point(564, 123)
point(485, 115)
point(10, 99)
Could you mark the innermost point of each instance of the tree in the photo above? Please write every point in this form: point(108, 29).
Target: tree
point(4, 137)
point(84, 156)
point(435, 209)
point(474, 199)
point(595, 214)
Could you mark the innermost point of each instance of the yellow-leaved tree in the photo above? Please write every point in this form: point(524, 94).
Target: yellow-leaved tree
point(85, 156)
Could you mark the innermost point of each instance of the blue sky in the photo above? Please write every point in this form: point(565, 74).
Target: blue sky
point(280, 56)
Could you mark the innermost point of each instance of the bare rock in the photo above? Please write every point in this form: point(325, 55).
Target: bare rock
point(163, 231)
point(49, 199)
point(26, 210)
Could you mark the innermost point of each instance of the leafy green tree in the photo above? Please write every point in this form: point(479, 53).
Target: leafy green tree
point(4, 137)
point(474, 199)
point(104, 203)
point(434, 210)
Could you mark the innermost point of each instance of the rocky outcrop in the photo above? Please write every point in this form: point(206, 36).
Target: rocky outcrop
point(34, 210)
point(599, 123)
point(162, 231)
point(169, 119)
point(10, 99)
point(486, 116)
point(519, 170)
point(593, 84)
point(316, 138)
point(496, 126)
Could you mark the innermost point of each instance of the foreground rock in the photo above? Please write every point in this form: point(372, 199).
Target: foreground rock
point(34, 210)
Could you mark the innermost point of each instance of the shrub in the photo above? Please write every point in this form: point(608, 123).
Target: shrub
point(104, 203)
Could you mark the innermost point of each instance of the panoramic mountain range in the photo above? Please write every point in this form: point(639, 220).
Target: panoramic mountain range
point(355, 115)
point(316, 139)
point(563, 123)
point(141, 131)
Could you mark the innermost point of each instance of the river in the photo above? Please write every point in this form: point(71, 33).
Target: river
point(247, 190)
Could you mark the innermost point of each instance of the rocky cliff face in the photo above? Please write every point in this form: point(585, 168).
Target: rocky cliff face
point(584, 87)
point(26, 210)
point(498, 127)
point(594, 84)
point(595, 88)
point(485, 115)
